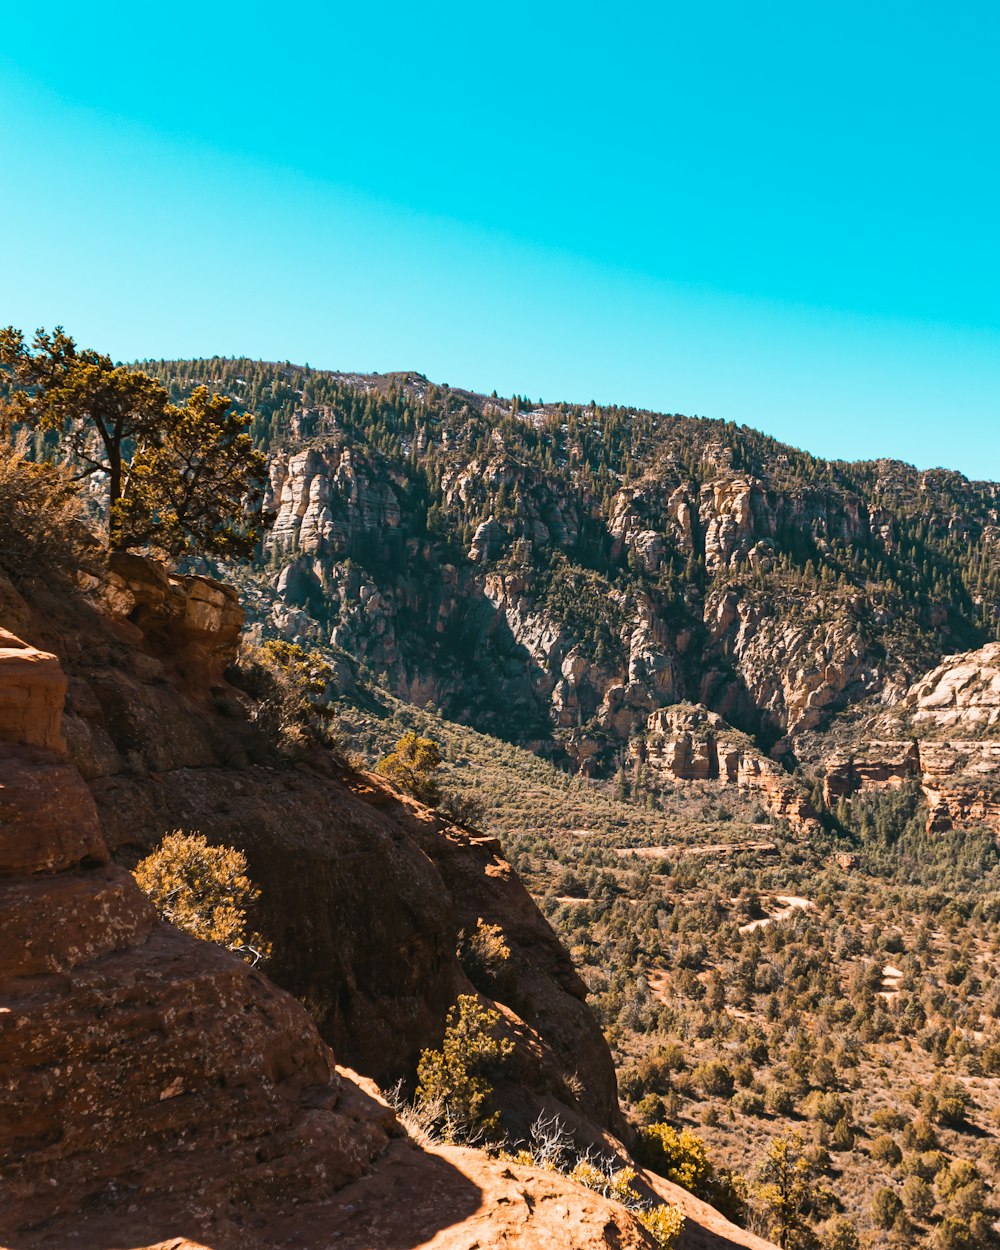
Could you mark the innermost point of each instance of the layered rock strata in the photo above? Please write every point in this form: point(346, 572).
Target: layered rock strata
point(951, 719)
point(327, 846)
point(134, 1061)
point(689, 743)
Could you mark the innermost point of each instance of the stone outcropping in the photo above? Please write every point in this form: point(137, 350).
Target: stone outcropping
point(960, 696)
point(131, 1056)
point(160, 751)
point(31, 695)
point(771, 657)
point(192, 624)
point(689, 743)
point(951, 719)
point(156, 1091)
point(153, 1085)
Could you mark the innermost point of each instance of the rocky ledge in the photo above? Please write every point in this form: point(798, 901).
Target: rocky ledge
point(689, 743)
point(156, 1091)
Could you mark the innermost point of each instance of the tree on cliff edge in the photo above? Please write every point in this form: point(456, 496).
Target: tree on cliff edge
point(177, 477)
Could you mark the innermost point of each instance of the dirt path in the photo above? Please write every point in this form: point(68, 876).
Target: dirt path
point(790, 903)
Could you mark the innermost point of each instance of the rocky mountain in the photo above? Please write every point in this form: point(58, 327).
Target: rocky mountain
point(158, 1090)
point(563, 576)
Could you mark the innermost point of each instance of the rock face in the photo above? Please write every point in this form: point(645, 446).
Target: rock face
point(690, 743)
point(961, 782)
point(194, 623)
point(32, 689)
point(490, 629)
point(961, 695)
point(871, 764)
point(153, 1085)
point(327, 845)
point(952, 749)
point(129, 1053)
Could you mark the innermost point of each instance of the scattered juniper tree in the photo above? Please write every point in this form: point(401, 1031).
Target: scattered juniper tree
point(175, 476)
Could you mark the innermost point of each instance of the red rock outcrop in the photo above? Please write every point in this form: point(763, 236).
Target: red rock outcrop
point(191, 623)
point(32, 689)
point(955, 712)
point(870, 764)
point(130, 1054)
point(327, 847)
point(952, 719)
point(961, 782)
point(157, 1091)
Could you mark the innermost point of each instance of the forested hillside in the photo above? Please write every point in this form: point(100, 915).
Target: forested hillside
point(556, 572)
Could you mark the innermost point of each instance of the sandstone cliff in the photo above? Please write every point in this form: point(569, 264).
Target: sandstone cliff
point(154, 1087)
point(944, 735)
point(164, 743)
point(690, 743)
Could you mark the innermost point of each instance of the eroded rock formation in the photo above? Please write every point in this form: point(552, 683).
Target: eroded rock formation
point(138, 1066)
point(951, 748)
point(690, 743)
point(161, 751)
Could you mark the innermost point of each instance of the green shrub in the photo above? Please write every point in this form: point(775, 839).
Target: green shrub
point(885, 1150)
point(681, 1157)
point(665, 1223)
point(885, 1206)
point(715, 1078)
point(778, 1099)
point(287, 683)
point(484, 955)
point(840, 1234)
point(454, 1083)
point(918, 1197)
point(41, 517)
point(841, 1136)
point(203, 890)
point(787, 1194)
point(748, 1102)
point(413, 766)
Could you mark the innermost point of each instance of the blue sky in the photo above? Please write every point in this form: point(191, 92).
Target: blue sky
point(778, 214)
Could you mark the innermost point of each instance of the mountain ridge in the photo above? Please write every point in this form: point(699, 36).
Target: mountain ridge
point(557, 574)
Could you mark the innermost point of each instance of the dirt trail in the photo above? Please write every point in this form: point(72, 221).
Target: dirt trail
point(789, 903)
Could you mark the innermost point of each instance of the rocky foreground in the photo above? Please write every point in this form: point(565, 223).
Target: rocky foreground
point(158, 1091)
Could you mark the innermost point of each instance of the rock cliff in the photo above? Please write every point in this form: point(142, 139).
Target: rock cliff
point(690, 743)
point(944, 735)
point(556, 574)
point(163, 745)
point(155, 1089)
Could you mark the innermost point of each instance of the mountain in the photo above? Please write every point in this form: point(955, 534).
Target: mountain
point(731, 710)
point(556, 574)
point(720, 790)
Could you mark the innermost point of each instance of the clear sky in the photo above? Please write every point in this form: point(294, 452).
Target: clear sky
point(781, 214)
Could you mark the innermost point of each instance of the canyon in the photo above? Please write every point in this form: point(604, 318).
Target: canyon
point(568, 577)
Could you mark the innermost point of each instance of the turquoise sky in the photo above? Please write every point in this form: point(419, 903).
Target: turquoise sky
point(785, 215)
